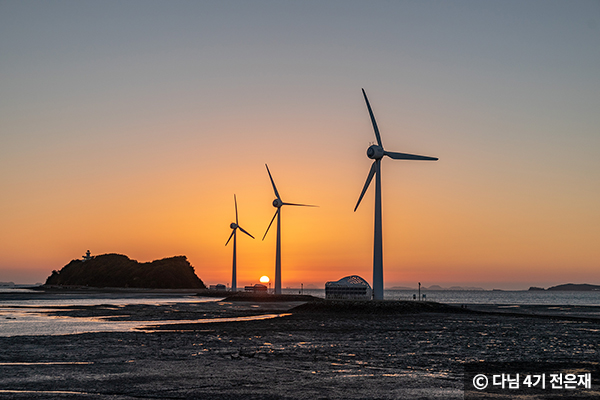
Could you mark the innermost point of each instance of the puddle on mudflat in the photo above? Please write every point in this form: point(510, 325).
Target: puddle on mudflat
point(148, 328)
point(47, 363)
point(36, 323)
point(47, 392)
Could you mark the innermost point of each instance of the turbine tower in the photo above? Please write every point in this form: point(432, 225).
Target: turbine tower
point(234, 226)
point(376, 153)
point(278, 203)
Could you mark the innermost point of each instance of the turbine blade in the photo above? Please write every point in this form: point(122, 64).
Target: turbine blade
point(270, 223)
point(236, 213)
point(373, 120)
point(230, 236)
point(296, 204)
point(367, 183)
point(273, 183)
point(404, 156)
point(242, 229)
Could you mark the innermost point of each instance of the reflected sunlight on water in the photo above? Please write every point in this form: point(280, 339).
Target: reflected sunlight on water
point(35, 323)
point(29, 315)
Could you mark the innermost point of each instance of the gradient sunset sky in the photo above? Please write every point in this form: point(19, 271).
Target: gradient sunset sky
point(127, 127)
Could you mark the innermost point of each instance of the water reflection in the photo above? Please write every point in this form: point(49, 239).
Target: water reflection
point(34, 321)
point(57, 301)
point(48, 363)
point(68, 392)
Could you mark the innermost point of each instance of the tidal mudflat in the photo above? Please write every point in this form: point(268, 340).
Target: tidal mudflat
point(309, 352)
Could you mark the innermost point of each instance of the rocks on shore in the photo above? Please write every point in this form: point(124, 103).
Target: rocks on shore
point(377, 307)
point(267, 297)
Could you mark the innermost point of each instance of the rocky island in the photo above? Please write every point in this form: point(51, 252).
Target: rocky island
point(571, 287)
point(119, 271)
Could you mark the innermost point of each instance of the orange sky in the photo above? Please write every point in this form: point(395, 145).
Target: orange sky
point(134, 140)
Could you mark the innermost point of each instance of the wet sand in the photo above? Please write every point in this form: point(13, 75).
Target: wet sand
point(402, 351)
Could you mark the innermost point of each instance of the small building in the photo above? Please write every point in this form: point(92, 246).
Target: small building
point(87, 257)
point(258, 288)
point(218, 286)
point(349, 288)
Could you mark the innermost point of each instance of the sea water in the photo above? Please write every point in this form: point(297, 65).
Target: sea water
point(494, 297)
point(25, 312)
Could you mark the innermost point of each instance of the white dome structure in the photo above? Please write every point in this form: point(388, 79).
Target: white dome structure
point(351, 287)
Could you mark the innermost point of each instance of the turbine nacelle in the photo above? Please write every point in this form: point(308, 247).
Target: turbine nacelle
point(375, 152)
point(233, 225)
point(277, 203)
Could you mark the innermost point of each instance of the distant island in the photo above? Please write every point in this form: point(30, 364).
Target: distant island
point(119, 271)
point(570, 287)
point(438, 287)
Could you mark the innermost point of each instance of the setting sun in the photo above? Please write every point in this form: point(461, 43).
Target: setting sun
point(264, 279)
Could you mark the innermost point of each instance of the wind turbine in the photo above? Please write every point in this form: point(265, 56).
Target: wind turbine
point(376, 153)
point(234, 226)
point(278, 203)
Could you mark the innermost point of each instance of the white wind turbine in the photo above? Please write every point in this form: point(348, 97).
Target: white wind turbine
point(234, 226)
point(376, 153)
point(278, 203)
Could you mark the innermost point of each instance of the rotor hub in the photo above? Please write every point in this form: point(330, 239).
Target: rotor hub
point(375, 152)
point(233, 225)
point(277, 203)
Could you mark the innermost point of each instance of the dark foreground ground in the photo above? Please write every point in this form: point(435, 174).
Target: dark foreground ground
point(314, 353)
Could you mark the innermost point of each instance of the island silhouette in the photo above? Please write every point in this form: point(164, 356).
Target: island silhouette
point(569, 287)
point(119, 271)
